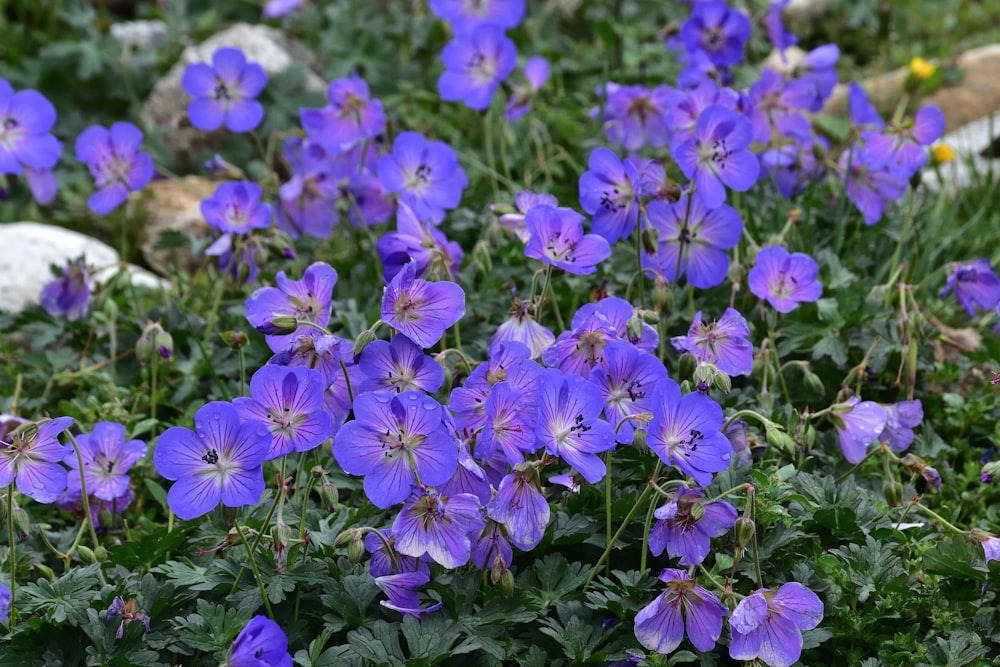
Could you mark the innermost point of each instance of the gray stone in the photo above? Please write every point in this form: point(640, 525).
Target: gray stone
point(972, 144)
point(174, 206)
point(30, 248)
point(167, 103)
point(140, 35)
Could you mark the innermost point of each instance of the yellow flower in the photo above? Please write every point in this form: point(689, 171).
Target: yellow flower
point(942, 153)
point(921, 69)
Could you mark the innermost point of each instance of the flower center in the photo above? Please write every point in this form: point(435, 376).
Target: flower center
point(221, 91)
point(211, 457)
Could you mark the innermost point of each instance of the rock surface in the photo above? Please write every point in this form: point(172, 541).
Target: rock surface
point(175, 206)
point(807, 10)
point(30, 248)
point(167, 103)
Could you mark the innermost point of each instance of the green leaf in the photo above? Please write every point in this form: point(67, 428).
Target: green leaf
point(952, 557)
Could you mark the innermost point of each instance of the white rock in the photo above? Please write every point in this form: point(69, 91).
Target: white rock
point(30, 248)
point(969, 142)
point(167, 103)
point(807, 10)
point(140, 35)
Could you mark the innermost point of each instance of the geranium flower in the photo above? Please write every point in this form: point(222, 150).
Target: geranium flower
point(686, 526)
point(768, 625)
point(869, 188)
point(393, 440)
point(609, 192)
point(508, 424)
point(401, 589)
point(288, 401)
point(26, 143)
point(438, 527)
point(107, 458)
point(221, 460)
point(859, 423)
point(556, 237)
point(466, 15)
point(784, 280)
point(900, 420)
point(521, 507)
point(274, 310)
point(718, 157)
point(398, 365)
point(683, 606)
point(626, 379)
point(475, 64)
point(724, 343)
point(718, 30)
point(115, 162)
point(975, 285)
point(426, 174)
point(261, 643)
point(685, 432)
point(30, 458)
point(225, 92)
point(903, 149)
point(350, 117)
point(68, 296)
point(521, 327)
point(421, 310)
point(536, 73)
point(236, 207)
point(634, 115)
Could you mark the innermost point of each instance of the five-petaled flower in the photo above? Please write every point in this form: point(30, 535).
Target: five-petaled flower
point(784, 279)
point(225, 92)
point(768, 625)
point(30, 456)
point(116, 163)
point(683, 606)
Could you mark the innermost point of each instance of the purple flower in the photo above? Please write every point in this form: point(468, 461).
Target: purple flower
point(466, 15)
point(900, 420)
point(236, 255)
point(107, 458)
point(370, 204)
point(401, 589)
point(425, 173)
point(687, 525)
point(975, 285)
point(261, 643)
point(634, 115)
point(738, 437)
point(225, 92)
point(718, 157)
point(438, 527)
point(398, 365)
point(236, 207)
point(525, 200)
point(129, 613)
point(818, 71)
point(30, 457)
point(521, 507)
point(289, 403)
point(775, 105)
point(414, 241)
point(394, 440)
point(274, 310)
point(617, 313)
point(902, 149)
point(694, 239)
point(686, 106)
point(475, 64)
point(780, 38)
point(469, 477)
point(581, 349)
point(69, 295)
point(221, 460)
point(768, 625)
point(115, 162)
point(608, 192)
point(863, 114)
point(521, 327)
point(42, 183)
point(793, 166)
point(381, 563)
point(626, 379)
point(718, 30)
point(556, 237)
point(352, 116)
point(858, 423)
point(509, 424)
point(867, 187)
point(685, 432)
point(990, 542)
point(491, 548)
point(276, 9)
point(660, 626)
point(536, 72)
point(784, 279)
point(421, 310)
point(509, 362)
point(569, 425)
point(26, 120)
point(723, 343)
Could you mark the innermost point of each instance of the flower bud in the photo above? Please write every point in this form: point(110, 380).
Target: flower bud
point(449, 380)
point(356, 549)
point(703, 373)
point(809, 436)
point(991, 471)
point(279, 325)
point(45, 571)
point(745, 529)
point(893, 492)
point(507, 583)
point(633, 327)
point(781, 440)
point(281, 535)
point(639, 440)
point(154, 342)
point(236, 340)
point(345, 538)
point(100, 553)
point(815, 384)
point(87, 554)
point(497, 568)
point(318, 472)
point(331, 497)
point(650, 240)
point(361, 342)
point(21, 523)
point(663, 297)
point(722, 382)
point(104, 517)
point(687, 366)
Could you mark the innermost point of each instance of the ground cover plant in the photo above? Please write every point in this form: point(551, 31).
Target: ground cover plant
point(551, 334)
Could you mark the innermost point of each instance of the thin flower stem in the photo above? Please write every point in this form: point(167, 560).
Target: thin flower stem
point(940, 519)
point(347, 380)
point(764, 421)
point(756, 556)
point(388, 547)
point(871, 452)
point(555, 303)
point(607, 506)
point(638, 264)
point(11, 555)
point(243, 375)
point(253, 565)
point(647, 527)
point(84, 497)
point(257, 538)
point(618, 534)
point(727, 492)
point(777, 365)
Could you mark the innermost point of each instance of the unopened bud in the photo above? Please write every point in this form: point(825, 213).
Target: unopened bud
point(100, 553)
point(893, 492)
point(331, 497)
point(281, 535)
point(318, 472)
point(361, 342)
point(21, 523)
point(87, 554)
point(639, 440)
point(780, 440)
point(104, 517)
point(809, 436)
point(507, 583)
point(236, 340)
point(633, 328)
point(153, 343)
point(815, 384)
point(703, 373)
point(345, 538)
point(449, 380)
point(663, 297)
point(991, 471)
point(687, 366)
point(745, 529)
point(722, 382)
point(650, 240)
point(497, 568)
point(279, 325)
point(45, 571)
point(356, 549)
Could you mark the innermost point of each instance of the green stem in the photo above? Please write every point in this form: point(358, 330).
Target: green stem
point(647, 526)
point(618, 534)
point(607, 507)
point(940, 519)
point(13, 560)
point(84, 497)
point(253, 566)
point(256, 543)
